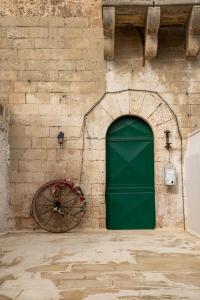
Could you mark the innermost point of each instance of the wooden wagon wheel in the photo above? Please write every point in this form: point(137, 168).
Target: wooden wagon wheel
point(58, 206)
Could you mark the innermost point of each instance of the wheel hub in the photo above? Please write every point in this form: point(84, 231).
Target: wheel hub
point(58, 207)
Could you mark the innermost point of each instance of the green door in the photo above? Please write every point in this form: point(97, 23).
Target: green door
point(130, 197)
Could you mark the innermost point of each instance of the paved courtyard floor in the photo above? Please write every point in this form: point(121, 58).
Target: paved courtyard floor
point(124, 265)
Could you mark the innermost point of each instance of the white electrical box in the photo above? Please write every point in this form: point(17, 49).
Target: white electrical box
point(170, 176)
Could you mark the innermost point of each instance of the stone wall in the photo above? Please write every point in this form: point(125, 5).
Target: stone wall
point(4, 169)
point(52, 71)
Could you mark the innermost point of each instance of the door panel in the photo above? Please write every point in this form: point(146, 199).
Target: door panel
point(130, 196)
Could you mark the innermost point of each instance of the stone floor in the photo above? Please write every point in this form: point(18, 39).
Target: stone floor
point(125, 265)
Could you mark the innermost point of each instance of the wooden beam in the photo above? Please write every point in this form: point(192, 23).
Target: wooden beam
point(151, 31)
point(175, 2)
point(109, 32)
point(127, 2)
point(149, 2)
point(192, 44)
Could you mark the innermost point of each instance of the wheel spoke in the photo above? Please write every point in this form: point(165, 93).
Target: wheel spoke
point(50, 218)
point(66, 222)
point(73, 216)
point(73, 206)
point(70, 200)
point(48, 199)
point(45, 205)
point(44, 212)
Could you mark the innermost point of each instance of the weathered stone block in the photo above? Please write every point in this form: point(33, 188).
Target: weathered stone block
point(17, 130)
point(8, 75)
point(5, 42)
point(76, 76)
point(38, 177)
point(36, 143)
point(50, 143)
point(34, 154)
point(37, 98)
point(51, 154)
point(21, 43)
point(28, 87)
point(48, 109)
point(48, 54)
point(37, 131)
point(38, 32)
point(25, 32)
point(54, 166)
point(8, 54)
point(56, 64)
point(20, 120)
point(83, 87)
point(68, 154)
point(53, 120)
point(20, 142)
point(23, 109)
point(18, 32)
point(12, 64)
point(73, 33)
point(30, 166)
point(20, 177)
point(76, 22)
point(53, 87)
point(31, 76)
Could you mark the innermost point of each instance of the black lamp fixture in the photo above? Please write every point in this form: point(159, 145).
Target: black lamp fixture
point(168, 144)
point(60, 137)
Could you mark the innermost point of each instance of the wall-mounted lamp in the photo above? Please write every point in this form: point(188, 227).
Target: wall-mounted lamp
point(168, 144)
point(60, 137)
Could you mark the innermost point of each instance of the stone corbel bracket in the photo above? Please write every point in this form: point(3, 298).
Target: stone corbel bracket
point(193, 33)
point(109, 32)
point(153, 22)
point(151, 31)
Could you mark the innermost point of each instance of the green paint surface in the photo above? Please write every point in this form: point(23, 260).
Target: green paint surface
point(130, 196)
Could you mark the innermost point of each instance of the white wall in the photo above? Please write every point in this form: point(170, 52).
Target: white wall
point(192, 180)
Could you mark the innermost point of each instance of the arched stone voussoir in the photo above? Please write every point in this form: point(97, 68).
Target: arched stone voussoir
point(111, 105)
point(136, 99)
point(122, 99)
point(150, 104)
point(162, 114)
point(97, 123)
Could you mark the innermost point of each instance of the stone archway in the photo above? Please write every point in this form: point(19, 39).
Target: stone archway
point(155, 111)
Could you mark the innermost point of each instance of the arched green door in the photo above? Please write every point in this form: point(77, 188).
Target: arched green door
point(130, 196)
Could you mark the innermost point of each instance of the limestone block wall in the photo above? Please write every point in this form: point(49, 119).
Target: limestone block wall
point(4, 169)
point(52, 72)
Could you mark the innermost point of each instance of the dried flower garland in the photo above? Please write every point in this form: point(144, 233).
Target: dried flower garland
point(63, 183)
